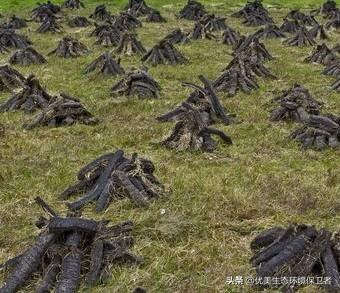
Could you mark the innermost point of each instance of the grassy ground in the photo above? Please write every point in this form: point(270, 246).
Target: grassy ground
point(218, 202)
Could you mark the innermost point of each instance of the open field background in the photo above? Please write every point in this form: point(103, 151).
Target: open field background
point(219, 201)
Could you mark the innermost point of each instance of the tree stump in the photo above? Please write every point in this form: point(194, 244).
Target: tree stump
point(106, 65)
point(69, 47)
point(193, 10)
point(322, 55)
point(114, 176)
point(73, 4)
point(177, 37)
point(26, 57)
point(68, 251)
point(79, 21)
point(296, 104)
point(29, 99)
point(301, 38)
point(107, 35)
point(129, 45)
point(62, 111)
point(252, 8)
point(10, 79)
point(10, 39)
point(164, 53)
point(137, 83)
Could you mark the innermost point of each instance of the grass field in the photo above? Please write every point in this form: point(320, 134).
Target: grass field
point(218, 201)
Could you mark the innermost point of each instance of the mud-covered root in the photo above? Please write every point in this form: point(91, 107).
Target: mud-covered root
point(200, 31)
point(129, 45)
point(295, 104)
point(230, 37)
point(322, 55)
point(164, 53)
point(336, 85)
point(300, 251)
point(79, 21)
point(50, 24)
point(26, 57)
point(62, 111)
point(318, 33)
point(270, 31)
point(10, 39)
point(177, 37)
point(137, 83)
point(300, 39)
point(155, 16)
point(205, 100)
point(73, 4)
point(105, 64)
point(69, 47)
point(101, 14)
point(290, 26)
point(319, 132)
point(30, 98)
point(114, 176)
point(10, 79)
point(14, 22)
point(138, 8)
point(193, 10)
point(332, 69)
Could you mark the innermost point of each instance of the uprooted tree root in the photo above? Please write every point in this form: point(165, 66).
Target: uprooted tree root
point(300, 251)
point(319, 132)
point(10, 79)
point(79, 21)
point(26, 57)
point(106, 65)
point(29, 99)
point(114, 176)
point(68, 251)
point(129, 45)
point(69, 47)
point(296, 104)
point(137, 83)
point(62, 111)
point(164, 53)
point(192, 129)
point(322, 55)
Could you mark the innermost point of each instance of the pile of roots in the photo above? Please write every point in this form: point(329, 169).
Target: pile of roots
point(301, 38)
point(26, 57)
point(14, 22)
point(164, 53)
point(322, 55)
point(114, 176)
point(10, 79)
point(192, 129)
point(73, 4)
point(137, 83)
point(296, 104)
point(101, 14)
point(193, 10)
point(10, 39)
point(298, 252)
point(319, 132)
point(68, 251)
point(79, 21)
point(177, 37)
point(62, 111)
point(129, 45)
point(30, 98)
point(50, 24)
point(105, 64)
point(69, 47)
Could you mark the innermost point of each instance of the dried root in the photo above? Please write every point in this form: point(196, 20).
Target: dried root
point(62, 111)
point(137, 83)
point(106, 65)
point(73, 4)
point(319, 132)
point(10, 39)
point(300, 251)
point(29, 99)
point(114, 176)
point(296, 104)
point(300, 39)
point(193, 10)
point(26, 57)
point(70, 250)
point(129, 45)
point(10, 79)
point(79, 21)
point(69, 47)
point(164, 53)
point(322, 55)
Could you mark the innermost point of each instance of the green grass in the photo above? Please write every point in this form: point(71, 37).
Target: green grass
point(218, 202)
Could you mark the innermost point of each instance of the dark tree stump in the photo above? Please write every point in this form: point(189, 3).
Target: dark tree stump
point(129, 45)
point(69, 47)
point(126, 21)
point(251, 46)
point(45, 10)
point(193, 10)
point(213, 23)
point(252, 8)
point(107, 35)
point(79, 21)
point(26, 57)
